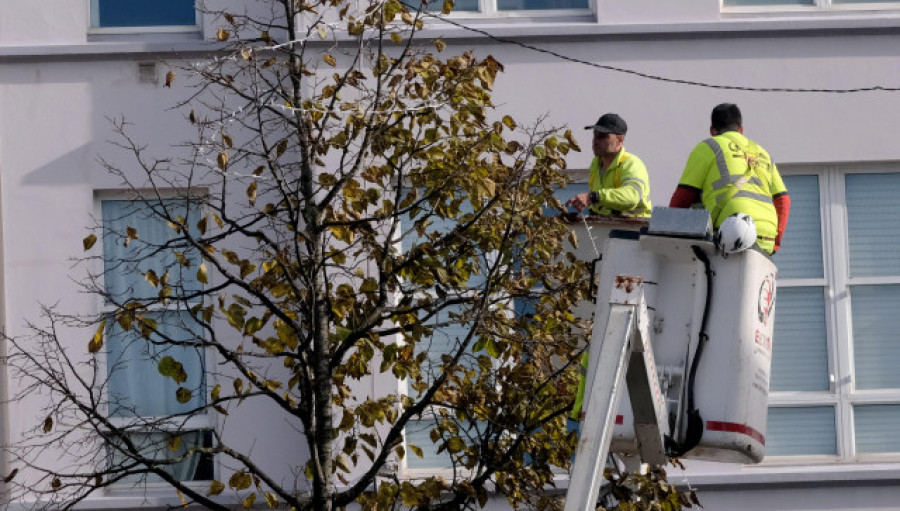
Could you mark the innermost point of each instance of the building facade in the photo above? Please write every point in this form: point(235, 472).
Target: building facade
point(819, 85)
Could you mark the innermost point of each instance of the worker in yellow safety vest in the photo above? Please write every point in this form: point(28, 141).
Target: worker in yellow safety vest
point(619, 186)
point(729, 174)
point(618, 181)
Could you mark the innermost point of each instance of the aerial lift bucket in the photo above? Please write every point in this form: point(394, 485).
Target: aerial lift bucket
point(715, 402)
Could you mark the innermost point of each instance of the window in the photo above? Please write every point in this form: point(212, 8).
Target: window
point(508, 7)
point(173, 14)
point(756, 5)
point(450, 329)
point(835, 388)
point(136, 245)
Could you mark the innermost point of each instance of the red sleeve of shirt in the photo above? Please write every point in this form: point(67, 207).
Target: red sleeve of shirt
point(782, 204)
point(684, 196)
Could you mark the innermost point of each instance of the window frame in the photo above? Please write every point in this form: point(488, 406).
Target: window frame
point(836, 284)
point(205, 422)
point(488, 11)
point(818, 6)
point(93, 13)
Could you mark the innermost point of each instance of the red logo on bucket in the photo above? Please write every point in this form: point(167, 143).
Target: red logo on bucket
point(766, 302)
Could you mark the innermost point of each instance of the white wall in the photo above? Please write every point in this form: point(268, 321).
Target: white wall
point(53, 127)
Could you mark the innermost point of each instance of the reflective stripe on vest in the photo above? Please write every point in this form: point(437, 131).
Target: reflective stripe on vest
point(726, 178)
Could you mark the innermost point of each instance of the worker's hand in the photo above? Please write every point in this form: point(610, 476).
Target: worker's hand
point(580, 201)
point(777, 244)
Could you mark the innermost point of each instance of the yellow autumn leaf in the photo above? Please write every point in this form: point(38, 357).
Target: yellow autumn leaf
point(222, 160)
point(89, 242)
point(170, 78)
point(251, 193)
point(222, 35)
point(329, 60)
point(151, 278)
point(439, 44)
point(240, 480)
point(183, 395)
point(396, 38)
point(215, 488)
point(202, 277)
point(97, 341)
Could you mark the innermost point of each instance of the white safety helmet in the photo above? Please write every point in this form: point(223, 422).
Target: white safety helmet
point(737, 233)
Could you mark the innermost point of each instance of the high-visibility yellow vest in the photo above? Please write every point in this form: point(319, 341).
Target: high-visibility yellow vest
point(624, 189)
point(735, 175)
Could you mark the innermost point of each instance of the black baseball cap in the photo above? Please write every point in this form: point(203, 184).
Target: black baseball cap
point(609, 123)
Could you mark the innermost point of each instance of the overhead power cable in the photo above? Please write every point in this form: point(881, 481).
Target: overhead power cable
point(648, 76)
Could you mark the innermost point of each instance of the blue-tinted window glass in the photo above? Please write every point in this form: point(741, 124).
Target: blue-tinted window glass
point(540, 5)
point(799, 344)
point(418, 433)
point(127, 260)
point(136, 389)
point(801, 250)
point(876, 321)
point(157, 446)
point(872, 227)
point(143, 13)
point(437, 5)
point(742, 3)
point(876, 428)
point(801, 431)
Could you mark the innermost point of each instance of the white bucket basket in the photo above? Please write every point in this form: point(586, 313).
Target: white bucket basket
point(731, 382)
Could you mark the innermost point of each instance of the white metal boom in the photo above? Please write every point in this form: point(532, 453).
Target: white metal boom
point(626, 355)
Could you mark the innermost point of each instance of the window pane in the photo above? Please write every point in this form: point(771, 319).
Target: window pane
point(126, 261)
point(876, 428)
point(876, 332)
point(800, 431)
point(873, 230)
point(418, 434)
point(537, 5)
point(136, 389)
point(768, 2)
point(801, 253)
point(800, 348)
point(141, 13)
point(447, 339)
point(436, 227)
point(436, 5)
point(155, 445)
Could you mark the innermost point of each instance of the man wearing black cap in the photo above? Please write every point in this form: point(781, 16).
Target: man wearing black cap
point(618, 180)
